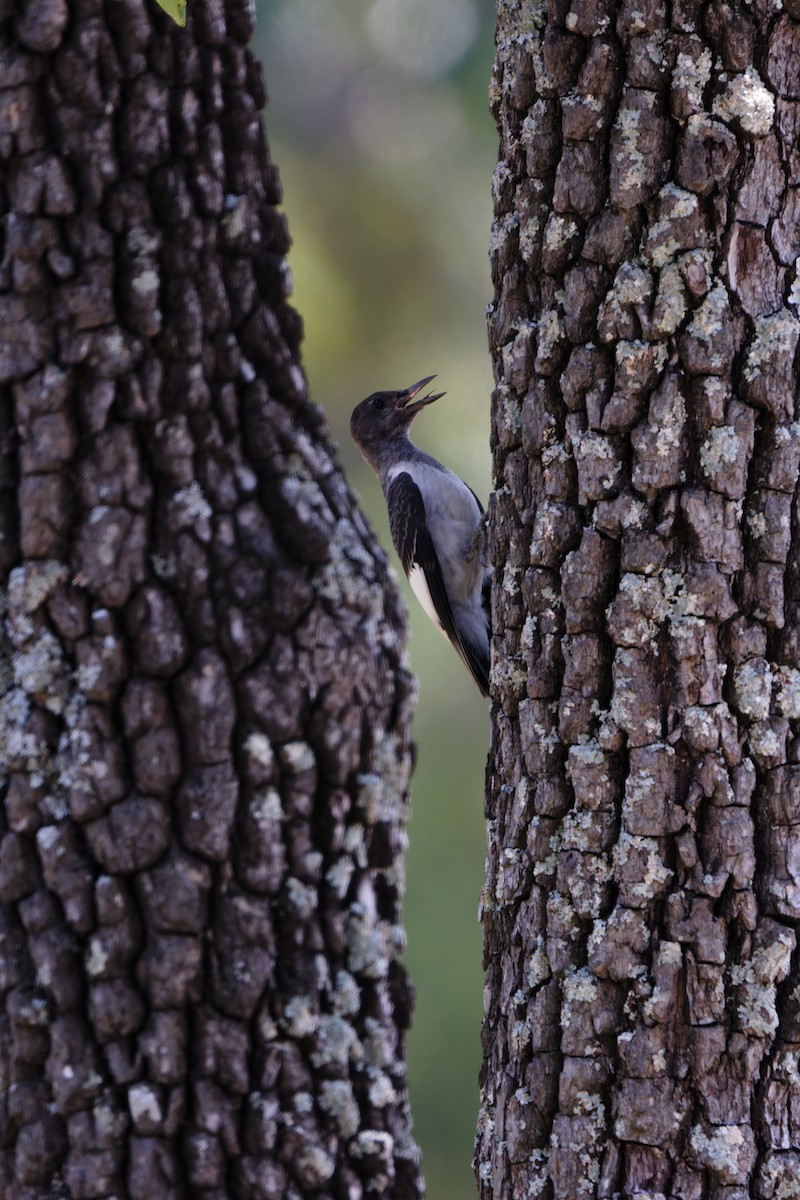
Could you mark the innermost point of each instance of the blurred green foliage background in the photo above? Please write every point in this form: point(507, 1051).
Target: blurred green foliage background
point(379, 124)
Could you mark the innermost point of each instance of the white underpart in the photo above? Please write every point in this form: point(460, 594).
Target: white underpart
point(419, 586)
point(452, 513)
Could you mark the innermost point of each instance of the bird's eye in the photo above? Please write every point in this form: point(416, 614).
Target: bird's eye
point(378, 402)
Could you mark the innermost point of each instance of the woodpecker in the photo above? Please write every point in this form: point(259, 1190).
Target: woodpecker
point(435, 520)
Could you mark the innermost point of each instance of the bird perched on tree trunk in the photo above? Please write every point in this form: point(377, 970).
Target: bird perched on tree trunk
point(435, 520)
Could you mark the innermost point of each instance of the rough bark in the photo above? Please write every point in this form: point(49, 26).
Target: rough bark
point(642, 905)
point(204, 723)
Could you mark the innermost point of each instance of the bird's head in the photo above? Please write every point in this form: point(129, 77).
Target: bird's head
point(384, 415)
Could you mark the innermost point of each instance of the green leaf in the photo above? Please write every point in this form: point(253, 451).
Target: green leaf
point(175, 9)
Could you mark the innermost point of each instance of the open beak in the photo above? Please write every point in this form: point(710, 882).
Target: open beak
point(405, 398)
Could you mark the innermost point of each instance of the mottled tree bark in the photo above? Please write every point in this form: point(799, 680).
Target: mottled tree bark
point(642, 906)
point(204, 723)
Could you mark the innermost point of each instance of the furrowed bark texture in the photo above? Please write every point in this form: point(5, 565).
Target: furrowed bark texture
point(204, 721)
point(641, 913)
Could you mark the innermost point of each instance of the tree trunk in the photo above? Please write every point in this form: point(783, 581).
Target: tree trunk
point(643, 1010)
point(204, 727)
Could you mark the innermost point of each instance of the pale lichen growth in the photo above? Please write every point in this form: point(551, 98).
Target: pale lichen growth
point(336, 1042)
point(794, 291)
point(597, 452)
point(30, 585)
point(653, 877)
point(671, 304)
point(508, 676)
point(194, 506)
point(690, 76)
point(96, 959)
point(757, 980)
point(368, 944)
point(663, 243)
point(337, 1100)
point(315, 1166)
point(510, 410)
point(787, 680)
point(299, 1018)
point(707, 321)
point(719, 1150)
point(669, 431)
point(721, 448)
point(165, 566)
point(748, 103)
point(631, 160)
point(779, 1176)
point(756, 522)
point(374, 1143)
point(775, 336)
point(41, 670)
point(381, 1091)
point(529, 238)
point(766, 747)
point(626, 708)
point(537, 970)
point(259, 747)
point(501, 231)
point(265, 807)
point(379, 1045)
point(641, 781)
point(752, 685)
point(347, 581)
point(347, 995)
point(297, 757)
point(632, 287)
point(144, 1103)
point(551, 331)
point(339, 875)
point(510, 875)
point(235, 214)
point(700, 726)
point(659, 1062)
point(383, 790)
point(145, 282)
point(501, 179)
point(529, 630)
point(580, 988)
point(302, 898)
point(559, 230)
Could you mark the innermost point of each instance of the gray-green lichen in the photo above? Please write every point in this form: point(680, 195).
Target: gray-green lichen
point(315, 1166)
point(258, 746)
point(719, 1150)
point(297, 757)
point(194, 510)
point(756, 981)
point(336, 1042)
point(776, 335)
point(722, 446)
point(707, 320)
point(752, 685)
point(779, 1176)
point(787, 680)
point(691, 74)
point(347, 580)
point(747, 103)
point(337, 1100)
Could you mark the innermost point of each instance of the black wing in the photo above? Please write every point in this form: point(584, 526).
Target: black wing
point(415, 548)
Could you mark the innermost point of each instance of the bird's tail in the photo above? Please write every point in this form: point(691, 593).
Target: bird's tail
point(473, 643)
